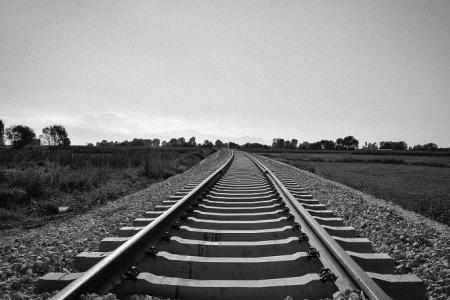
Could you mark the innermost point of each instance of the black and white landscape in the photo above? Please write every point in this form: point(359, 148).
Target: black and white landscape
point(224, 149)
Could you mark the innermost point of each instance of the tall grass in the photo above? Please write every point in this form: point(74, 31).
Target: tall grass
point(83, 157)
point(37, 181)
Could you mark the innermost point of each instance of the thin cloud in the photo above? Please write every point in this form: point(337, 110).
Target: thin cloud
point(125, 124)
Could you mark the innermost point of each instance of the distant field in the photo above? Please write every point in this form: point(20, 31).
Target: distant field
point(351, 157)
point(417, 183)
point(35, 183)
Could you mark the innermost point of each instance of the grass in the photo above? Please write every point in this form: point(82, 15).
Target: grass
point(419, 184)
point(34, 183)
point(359, 157)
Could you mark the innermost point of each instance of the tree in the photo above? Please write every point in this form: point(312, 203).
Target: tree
point(148, 142)
point(402, 145)
point(430, 147)
point(315, 146)
point(390, 145)
point(350, 143)
point(304, 145)
point(182, 142)
point(232, 145)
point(287, 144)
point(207, 144)
point(2, 133)
point(173, 142)
point(370, 146)
point(20, 135)
point(278, 143)
point(218, 144)
point(65, 142)
point(103, 143)
point(426, 147)
point(55, 135)
point(137, 142)
point(385, 145)
point(255, 146)
point(325, 145)
point(321, 145)
point(156, 142)
point(339, 144)
point(294, 143)
point(192, 142)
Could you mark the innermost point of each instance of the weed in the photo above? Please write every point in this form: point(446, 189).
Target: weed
point(35, 182)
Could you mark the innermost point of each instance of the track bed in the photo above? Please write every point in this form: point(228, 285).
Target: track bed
point(241, 233)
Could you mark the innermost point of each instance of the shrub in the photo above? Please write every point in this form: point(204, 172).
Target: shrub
point(12, 197)
point(32, 180)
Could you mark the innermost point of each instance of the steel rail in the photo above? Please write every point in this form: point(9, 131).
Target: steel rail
point(342, 260)
point(98, 275)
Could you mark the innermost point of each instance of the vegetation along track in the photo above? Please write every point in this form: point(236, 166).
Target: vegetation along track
point(242, 232)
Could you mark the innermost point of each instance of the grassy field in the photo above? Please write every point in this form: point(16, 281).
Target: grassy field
point(417, 183)
point(36, 183)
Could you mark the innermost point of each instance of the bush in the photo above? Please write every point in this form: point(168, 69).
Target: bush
point(32, 180)
point(12, 197)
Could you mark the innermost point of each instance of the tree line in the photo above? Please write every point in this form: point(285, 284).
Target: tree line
point(346, 143)
point(22, 135)
point(350, 143)
point(57, 136)
point(173, 142)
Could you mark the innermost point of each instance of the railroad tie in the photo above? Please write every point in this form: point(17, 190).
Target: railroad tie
point(241, 232)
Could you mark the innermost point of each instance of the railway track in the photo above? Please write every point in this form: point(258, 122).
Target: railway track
point(242, 232)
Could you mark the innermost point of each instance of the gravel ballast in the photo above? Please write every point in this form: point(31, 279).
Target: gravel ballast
point(26, 255)
point(417, 244)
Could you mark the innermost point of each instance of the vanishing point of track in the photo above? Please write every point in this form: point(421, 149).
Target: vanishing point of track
point(241, 233)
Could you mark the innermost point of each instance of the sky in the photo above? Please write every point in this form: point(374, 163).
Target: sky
point(238, 70)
